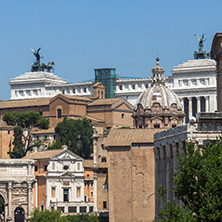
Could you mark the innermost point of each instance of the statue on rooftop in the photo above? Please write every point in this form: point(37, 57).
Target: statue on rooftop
point(37, 66)
point(201, 54)
point(201, 41)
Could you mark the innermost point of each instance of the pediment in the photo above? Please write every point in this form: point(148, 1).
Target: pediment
point(174, 118)
point(156, 118)
point(66, 155)
point(68, 174)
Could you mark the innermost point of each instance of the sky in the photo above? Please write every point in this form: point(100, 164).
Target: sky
point(81, 35)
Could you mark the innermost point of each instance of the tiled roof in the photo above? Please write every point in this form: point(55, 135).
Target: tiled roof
point(100, 102)
point(24, 103)
point(44, 131)
point(87, 163)
point(43, 154)
point(125, 137)
point(98, 83)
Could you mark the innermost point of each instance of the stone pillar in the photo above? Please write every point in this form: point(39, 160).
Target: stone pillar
point(198, 104)
point(207, 103)
point(95, 191)
point(169, 174)
point(29, 207)
point(9, 201)
point(175, 159)
point(182, 103)
point(190, 107)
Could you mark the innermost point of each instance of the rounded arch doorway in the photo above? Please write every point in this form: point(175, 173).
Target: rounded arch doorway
point(19, 214)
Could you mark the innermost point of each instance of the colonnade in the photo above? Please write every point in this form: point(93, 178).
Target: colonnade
point(194, 104)
point(166, 160)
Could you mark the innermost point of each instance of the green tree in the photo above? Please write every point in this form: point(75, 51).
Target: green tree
point(47, 216)
point(198, 183)
point(24, 124)
point(77, 135)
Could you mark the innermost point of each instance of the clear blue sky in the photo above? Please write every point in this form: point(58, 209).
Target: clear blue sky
point(80, 35)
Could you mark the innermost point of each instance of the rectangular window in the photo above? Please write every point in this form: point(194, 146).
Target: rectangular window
point(59, 113)
point(91, 183)
point(104, 187)
point(84, 90)
point(36, 168)
point(8, 132)
point(91, 194)
point(120, 87)
point(45, 168)
point(78, 192)
point(53, 193)
point(85, 184)
point(85, 198)
point(104, 205)
point(78, 166)
point(133, 87)
point(65, 195)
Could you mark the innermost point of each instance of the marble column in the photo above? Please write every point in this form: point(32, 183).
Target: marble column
point(206, 103)
point(29, 185)
point(9, 201)
point(190, 107)
point(198, 104)
point(182, 103)
point(95, 191)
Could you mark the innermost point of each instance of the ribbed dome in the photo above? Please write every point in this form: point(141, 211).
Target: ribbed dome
point(158, 93)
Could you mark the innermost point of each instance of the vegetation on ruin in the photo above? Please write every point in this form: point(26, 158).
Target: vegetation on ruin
point(23, 124)
point(198, 183)
point(77, 135)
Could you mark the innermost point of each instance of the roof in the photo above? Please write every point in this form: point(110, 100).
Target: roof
point(69, 98)
point(46, 154)
point(24, 103)
point(3, 124)
point(97, 84)
point(125, 137)
point(44, 131)
point(87, 163)
point(101, 102)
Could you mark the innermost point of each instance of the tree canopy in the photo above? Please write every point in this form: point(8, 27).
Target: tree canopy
point(24, 123)
point(198, 183)
point(77, 135)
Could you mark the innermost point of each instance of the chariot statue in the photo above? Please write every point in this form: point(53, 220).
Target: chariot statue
point(201, 54)
point(37, 66)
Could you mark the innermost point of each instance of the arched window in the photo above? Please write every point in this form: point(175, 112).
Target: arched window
point(59, 113)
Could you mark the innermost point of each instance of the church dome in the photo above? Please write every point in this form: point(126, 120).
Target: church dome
point(158, 106)
point(158, 92)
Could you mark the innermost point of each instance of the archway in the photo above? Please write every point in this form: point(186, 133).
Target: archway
point(2, 208)
point(19, 214)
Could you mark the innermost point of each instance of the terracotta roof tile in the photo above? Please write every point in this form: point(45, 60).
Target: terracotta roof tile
point(100, 102)
point(24, 103)
point(125, 137)
point(46, 154)
point(39, 131)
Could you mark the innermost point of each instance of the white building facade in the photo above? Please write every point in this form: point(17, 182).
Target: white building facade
point(194, 82)
point(65, 184)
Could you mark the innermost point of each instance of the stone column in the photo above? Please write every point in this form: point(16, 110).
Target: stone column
point(198, 104)
point(175, 159)
point(182, 103)
point(206, 103)
point(190, 107)
point(29, 186)
point(9, 201)
point(169, 175)
point(95, 191)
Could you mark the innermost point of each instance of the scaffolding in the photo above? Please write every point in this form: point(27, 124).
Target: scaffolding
point(108, 78)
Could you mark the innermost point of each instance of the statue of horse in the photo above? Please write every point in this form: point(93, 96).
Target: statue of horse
point(48, 67)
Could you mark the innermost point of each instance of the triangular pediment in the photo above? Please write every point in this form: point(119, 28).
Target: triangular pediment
point(122, 104)
point(66, 155)
point(68, 174)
